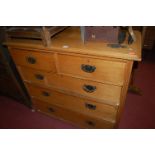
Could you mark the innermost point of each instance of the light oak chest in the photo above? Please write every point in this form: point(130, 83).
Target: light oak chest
point(83, 84)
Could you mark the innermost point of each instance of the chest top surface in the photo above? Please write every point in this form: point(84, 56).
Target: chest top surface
point(70, 41)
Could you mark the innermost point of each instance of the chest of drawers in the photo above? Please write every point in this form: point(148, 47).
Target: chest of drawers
point(85, 84)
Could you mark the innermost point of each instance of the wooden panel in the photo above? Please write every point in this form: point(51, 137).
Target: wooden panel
point(78, 119)
point(82, 105)
point(107, 71)
point(149, 37)
point(124, 90)
point(105, 92)
point(33, 76)
point(36, 60)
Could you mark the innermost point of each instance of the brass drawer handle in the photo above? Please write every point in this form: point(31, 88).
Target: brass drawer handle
point(31, 60)
point(90, 106)
point(39, 76)
point(88, 68)
point(44, 93)
point(91, 123)
point(50, 109)
point(89, 88)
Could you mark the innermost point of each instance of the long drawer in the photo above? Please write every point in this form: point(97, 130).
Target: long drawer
point(86, 88)
point(36, 60)
point(107, 71)
point(79, 119)
point(88, 107)
point(95, 90)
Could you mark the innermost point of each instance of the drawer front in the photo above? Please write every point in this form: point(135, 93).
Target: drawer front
point(107, 71)
point(88, 107)
point(36, 60)
point(86, 88)
point(78, 119)
point(33, 76)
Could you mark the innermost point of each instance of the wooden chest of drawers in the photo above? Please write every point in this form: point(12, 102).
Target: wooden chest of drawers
point(83, 84)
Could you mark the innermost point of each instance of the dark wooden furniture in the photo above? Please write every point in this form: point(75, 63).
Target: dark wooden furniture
point(148, 37)
point(10, 81)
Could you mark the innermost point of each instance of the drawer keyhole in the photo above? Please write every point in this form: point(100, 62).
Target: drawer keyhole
point(31, 60)
point(39, 76)
point(91, 123)
point(89, 88)
point(88, 68)
point(50, 109)
point(44, 93)
point(90, 106)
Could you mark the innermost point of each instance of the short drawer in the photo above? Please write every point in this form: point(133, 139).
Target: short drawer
point(33, 76)
point(86, 88)
point(82, 105)
point(32, 59)
point(108, 71)
point(78, 119)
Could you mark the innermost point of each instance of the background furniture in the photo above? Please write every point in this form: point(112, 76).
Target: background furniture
point(33, 33)
point(85, 84)
point(148, 37)
point(10, 82)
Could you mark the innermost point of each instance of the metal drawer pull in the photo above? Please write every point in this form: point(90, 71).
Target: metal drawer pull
point(44, 93)
point(90, 123)
point(88, 68)
point(31, 60)
point(90, 106)
point(50, 109)
point(89, 88)
point(39, 76)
